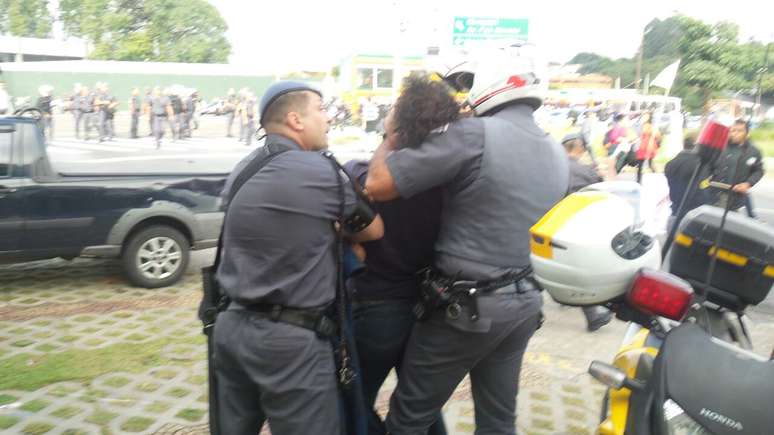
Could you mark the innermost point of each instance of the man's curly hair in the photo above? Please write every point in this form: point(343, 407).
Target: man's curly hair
point(423, 106)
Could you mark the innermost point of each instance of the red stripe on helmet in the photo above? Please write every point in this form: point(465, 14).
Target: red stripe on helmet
point(512, 83)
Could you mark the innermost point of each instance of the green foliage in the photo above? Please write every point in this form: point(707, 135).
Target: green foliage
point(713, 62)
point(26, 18)
point(148, 30)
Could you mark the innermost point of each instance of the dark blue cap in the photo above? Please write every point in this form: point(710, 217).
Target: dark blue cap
point(281, 88)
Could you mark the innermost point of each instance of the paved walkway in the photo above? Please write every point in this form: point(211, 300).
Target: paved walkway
point(59, 309)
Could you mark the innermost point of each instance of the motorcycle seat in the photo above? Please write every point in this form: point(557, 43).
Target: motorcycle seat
point(724, 388)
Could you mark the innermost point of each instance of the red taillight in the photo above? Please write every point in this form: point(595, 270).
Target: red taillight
point(660, 293)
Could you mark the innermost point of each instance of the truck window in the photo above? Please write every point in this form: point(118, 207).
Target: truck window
point(5, 154)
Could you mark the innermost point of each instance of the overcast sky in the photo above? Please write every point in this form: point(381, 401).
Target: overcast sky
point(307, 33)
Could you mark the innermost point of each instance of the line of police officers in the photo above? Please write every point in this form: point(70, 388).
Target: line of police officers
point(498, 173)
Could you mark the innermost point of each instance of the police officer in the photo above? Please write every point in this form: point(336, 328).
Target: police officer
point(44, 104)
point(500, 173)
point(161, 111)
point(86, 112)
point(189, 103)
point(229, 107)
point(740, 165)
point(135, 106)
point(147, 109)
point(281, 275)
point(582, 175)
point(240, 113)
point(248, 117)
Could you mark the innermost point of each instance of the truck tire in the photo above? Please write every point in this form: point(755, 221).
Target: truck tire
point(156, 256)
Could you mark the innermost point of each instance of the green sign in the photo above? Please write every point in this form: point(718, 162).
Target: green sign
point(469, 30)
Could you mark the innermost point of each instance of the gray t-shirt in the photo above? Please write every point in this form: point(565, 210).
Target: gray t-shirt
point(159, 105)
point(500, 175)
point(278, 245)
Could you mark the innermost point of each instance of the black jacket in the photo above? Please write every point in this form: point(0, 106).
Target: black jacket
point(678, 173)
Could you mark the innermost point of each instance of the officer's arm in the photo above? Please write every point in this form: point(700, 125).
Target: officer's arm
point(170, 112)
point(380, 184)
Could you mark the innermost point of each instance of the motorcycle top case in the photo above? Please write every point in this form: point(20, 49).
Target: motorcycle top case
point(744, 271)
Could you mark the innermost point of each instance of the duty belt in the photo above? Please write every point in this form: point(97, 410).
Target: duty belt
point(439, 291)
point(314, 319)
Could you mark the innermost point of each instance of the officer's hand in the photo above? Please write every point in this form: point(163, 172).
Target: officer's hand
point(742, 188)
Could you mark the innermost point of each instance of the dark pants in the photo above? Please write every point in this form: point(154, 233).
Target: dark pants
point(441, 351)
point(229, 123)
point(277, 372)
point(133, 126)
point(382, 329)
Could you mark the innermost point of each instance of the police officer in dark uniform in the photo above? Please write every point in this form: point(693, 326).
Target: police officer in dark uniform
point(500, 173)
point(162, 113)
point(278, 269)
point(86, 113)
point(135, 106)
point(741, 165)
point(229, 108)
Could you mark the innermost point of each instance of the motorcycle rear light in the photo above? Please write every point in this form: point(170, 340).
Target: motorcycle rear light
point(660, 293)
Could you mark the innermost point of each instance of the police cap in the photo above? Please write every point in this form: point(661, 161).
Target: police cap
point(573, 136)
point(281, 88)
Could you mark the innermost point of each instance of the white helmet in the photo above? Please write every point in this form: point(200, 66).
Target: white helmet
point(501, 76)
point(585, 250)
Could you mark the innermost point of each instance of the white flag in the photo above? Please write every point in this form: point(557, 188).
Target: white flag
point(666, 78)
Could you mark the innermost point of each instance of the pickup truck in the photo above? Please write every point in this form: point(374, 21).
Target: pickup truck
point(148, 218)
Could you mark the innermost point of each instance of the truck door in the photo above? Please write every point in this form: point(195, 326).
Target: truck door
point(11, 203)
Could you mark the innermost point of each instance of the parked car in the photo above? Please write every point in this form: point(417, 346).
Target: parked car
point(151, 221)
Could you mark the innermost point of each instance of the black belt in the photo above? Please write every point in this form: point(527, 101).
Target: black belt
point(314, 319)
point(499, 285)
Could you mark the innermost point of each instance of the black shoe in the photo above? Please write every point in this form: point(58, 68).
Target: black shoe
point(599, 321)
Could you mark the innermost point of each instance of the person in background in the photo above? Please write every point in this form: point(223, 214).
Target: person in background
point(44, 105)
point(135, 106)
point(582, 175)
point(740, 165)
point(650, 141)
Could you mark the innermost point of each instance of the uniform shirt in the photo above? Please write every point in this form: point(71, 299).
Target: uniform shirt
point(410, 231)
point(135, 103)
point(750, 168)
point(87, 103)
point(159, 105)
point(500, 175)
point(190, 105)
point(278, 241)
point(44, 104)
point(581, 175)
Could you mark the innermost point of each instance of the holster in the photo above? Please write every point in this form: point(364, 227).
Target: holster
point(434, 292)
point(214, 300)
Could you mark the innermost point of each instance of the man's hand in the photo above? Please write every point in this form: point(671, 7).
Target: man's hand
point(742, 188)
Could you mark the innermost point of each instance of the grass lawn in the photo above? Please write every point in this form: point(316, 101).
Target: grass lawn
point(30, 372)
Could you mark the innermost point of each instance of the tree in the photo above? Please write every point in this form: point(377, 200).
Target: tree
point(713, 61)
point(152, 30)
point(26, 18)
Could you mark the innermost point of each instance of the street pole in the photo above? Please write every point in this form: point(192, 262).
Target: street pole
point(639, 62)
point(763, 70)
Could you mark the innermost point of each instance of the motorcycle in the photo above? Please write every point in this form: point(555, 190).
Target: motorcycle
point(686, 365)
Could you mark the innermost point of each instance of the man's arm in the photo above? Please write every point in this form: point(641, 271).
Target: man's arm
point(380, 184)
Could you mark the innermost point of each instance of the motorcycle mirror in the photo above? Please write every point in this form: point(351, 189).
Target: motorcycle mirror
point(612, 376)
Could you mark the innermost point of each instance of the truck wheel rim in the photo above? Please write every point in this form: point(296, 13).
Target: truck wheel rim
point(159, 258)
